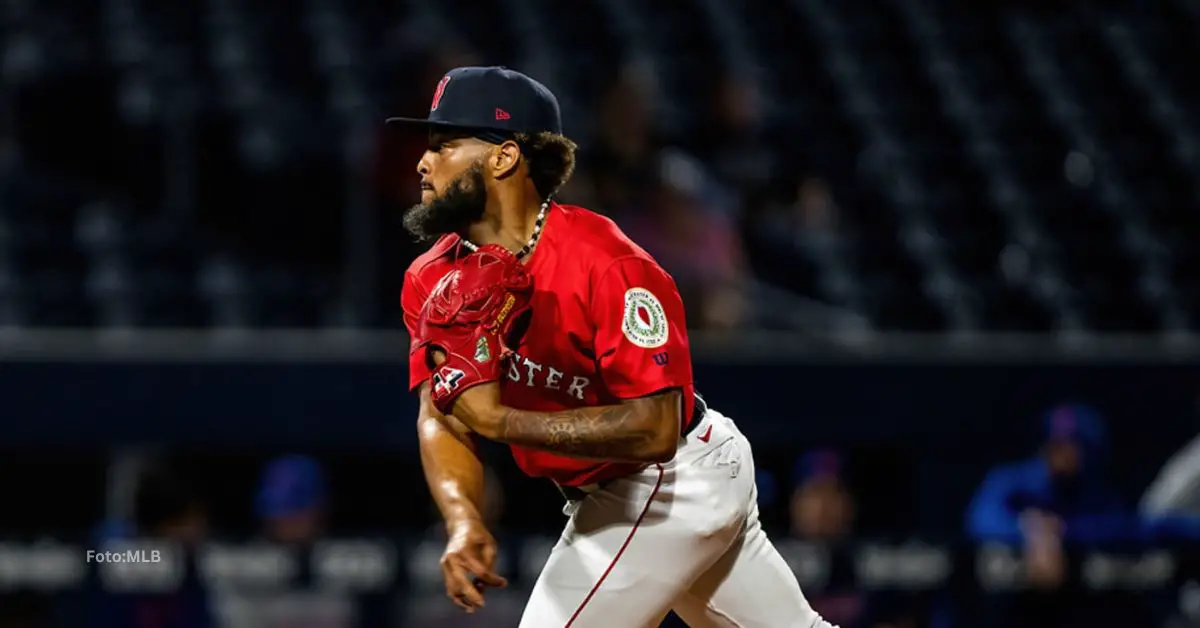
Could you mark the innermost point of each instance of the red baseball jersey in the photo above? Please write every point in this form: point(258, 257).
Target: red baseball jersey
point(607, 325)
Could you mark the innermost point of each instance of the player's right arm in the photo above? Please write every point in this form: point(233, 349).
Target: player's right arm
point(455, 476)
point(452, 466)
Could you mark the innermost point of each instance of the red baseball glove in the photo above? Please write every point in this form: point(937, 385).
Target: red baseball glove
point(475, 315)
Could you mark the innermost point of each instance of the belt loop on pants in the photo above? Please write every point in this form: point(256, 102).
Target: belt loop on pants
point(578, 493)
point(698, 412)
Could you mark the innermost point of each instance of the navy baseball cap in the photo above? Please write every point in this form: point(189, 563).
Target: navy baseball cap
point(290, 485)
point(492, 102)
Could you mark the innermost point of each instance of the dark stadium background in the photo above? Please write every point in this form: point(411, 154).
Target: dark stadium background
point(904, 230)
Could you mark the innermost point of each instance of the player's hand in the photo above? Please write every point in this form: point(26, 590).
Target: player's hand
point(468, 564)
point(477, 407)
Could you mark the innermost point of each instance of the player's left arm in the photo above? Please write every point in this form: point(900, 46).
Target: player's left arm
point(645, 429)
point(643, 356)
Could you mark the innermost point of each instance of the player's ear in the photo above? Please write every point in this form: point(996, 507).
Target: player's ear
point(505, 159)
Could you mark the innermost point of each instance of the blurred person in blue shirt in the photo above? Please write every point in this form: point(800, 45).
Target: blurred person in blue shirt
point(166, 508)
point(1047, 507)
point(291, 504)
point(1060, 492)
point(291, 500)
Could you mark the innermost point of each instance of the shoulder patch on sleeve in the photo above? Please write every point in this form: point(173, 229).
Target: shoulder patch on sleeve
point(644, 322)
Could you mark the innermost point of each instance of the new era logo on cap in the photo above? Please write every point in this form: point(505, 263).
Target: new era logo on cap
point(493, 99)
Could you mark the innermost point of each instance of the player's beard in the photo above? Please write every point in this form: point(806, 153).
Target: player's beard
point(459, 206)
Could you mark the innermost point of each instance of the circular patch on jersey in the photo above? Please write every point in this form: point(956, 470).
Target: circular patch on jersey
point(645, 321)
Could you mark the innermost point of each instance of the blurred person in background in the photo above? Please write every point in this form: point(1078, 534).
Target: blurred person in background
point(627, 144)
point(1175, 492)
point(1170, 507)
point(822, 507)
point(290, 504)
point(1176, 489)
point(731, 139)
point(1047, 505)
point(811, 219)
point(1170, 516)
point(291, 501)
point(166, 508)
point(802, 215)
point(694, 240)
point(1060, 494)
point(165, 505)
point(824, 513)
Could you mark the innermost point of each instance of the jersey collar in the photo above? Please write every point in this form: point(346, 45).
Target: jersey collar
point(458, 251)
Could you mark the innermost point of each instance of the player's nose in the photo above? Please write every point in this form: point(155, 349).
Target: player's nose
point(423, 165)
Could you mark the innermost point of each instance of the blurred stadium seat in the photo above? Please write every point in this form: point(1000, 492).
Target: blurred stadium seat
point(993, 167)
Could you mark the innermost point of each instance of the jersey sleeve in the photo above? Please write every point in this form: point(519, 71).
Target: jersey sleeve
point(641, 334)
point(412, 298)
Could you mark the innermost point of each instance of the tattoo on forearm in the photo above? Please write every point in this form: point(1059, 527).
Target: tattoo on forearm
point(603, 432)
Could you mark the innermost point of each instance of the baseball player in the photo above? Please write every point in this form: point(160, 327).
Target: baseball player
point(543, 326)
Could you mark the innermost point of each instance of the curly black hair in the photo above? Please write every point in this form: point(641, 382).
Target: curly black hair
point(551, 160)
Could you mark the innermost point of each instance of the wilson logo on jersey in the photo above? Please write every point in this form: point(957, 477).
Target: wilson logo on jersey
point(644, 322)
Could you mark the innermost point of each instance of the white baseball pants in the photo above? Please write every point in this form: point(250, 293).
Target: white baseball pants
point(682, 536)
